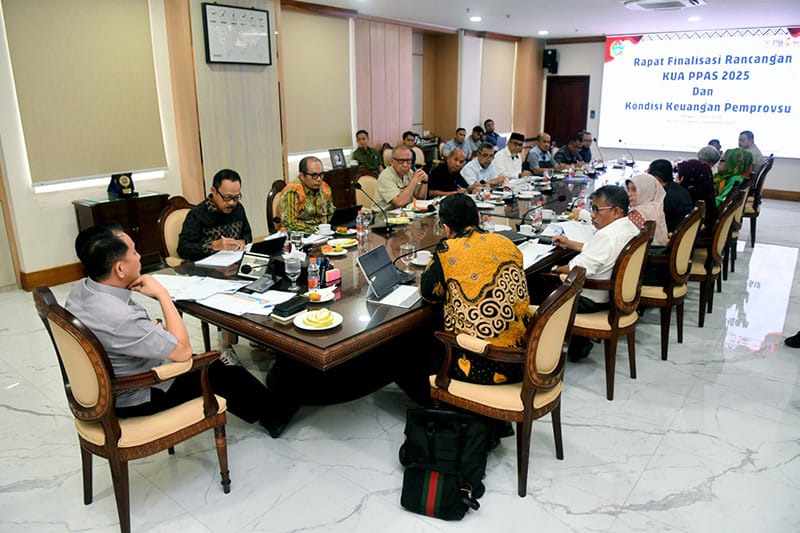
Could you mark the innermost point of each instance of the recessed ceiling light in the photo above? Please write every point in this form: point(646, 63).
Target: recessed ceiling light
point(694, 19)
point(475, 19)
point(543, 32)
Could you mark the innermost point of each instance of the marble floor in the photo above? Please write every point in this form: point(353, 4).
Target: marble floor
point(707, 441)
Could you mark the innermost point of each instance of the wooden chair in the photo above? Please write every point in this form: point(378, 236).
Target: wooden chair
point(729, 255)
point(420, 156)
point(387, 155)
point(274, 205)
point(676, 260)
point(753, 203)
point(624, 288)
point(544, 356)
point(92, 388)
point(707, 257)
point(170, 225)
point(369, 184)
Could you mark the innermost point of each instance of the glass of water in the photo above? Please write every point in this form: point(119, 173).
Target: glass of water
point(293, 272)
point(296, 238)
point(407, 253)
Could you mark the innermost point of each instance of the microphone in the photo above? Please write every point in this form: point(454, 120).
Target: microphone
point(555, 201)
point(246, 269)
point(389, 227)
point(602, 157)
point(632, 161)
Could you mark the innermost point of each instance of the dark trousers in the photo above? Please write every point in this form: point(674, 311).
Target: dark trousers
point(577, 343)
point(246, 396)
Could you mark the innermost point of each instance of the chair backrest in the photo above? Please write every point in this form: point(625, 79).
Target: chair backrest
point(551, 327)
point(274, 205)
point(758, 186)
point(629, 268)
point(722, 227)
point(170, 225)
point(420, 155)
point(682, 243)
point(387, 156)
point(369, 184)
point(85, 367)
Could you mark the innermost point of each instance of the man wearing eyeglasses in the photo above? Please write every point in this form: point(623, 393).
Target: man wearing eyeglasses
point(219, 223)
point(598, 255)
point(480, 171)
point(399, 184)
point(307, 203)
point(569, 154)
point(508, 161)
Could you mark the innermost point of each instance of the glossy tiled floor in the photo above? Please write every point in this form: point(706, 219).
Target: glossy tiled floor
point(707, 441)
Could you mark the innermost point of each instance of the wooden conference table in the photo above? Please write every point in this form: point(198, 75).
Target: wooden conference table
point(367, 325)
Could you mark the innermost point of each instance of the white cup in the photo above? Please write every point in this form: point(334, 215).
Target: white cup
point(423, 256)
point(324, 228)
point(526, 229)
point(548, 214)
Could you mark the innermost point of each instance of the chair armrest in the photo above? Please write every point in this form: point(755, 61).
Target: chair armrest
point(599, 284)
point(657, 259)
point(161, 373)
point(481, 347)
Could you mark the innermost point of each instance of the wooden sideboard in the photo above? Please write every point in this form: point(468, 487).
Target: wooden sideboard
point(138, 217)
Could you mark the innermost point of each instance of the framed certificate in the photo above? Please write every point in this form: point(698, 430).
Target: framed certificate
point(236, 34)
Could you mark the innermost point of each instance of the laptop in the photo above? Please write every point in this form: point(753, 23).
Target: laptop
point(344, 216)
point(384, 279)
point(269, 246)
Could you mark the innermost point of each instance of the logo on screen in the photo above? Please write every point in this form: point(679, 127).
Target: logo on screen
point(617, 48)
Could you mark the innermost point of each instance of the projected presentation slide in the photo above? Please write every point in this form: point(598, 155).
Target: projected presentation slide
point(675, 91)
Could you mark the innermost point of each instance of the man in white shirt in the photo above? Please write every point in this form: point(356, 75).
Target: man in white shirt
point(598, 255)
point(481, 171)
point(508, 161)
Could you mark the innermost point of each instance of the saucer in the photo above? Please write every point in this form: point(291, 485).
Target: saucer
point(484, 205)
point(420, 262)
point(501, 227)
point(326, 233)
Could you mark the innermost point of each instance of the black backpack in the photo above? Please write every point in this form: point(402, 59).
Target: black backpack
point(445, 458)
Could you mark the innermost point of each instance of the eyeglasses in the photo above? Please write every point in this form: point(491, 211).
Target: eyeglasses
point(596, 210)
point(515, 143)
point(402, 161)
point(486, 156)
point(229, 198)
point(314, 175)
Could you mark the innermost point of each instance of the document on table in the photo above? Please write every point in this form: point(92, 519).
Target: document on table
point(533, 251)
point(240, 304)
point(572, 229)
point(197, 287)
point(222, 258)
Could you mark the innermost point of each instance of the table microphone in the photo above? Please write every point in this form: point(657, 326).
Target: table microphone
point(246, 269)
point(555, 201)
point(389, 227)
point(632, 162)
point(599, 152)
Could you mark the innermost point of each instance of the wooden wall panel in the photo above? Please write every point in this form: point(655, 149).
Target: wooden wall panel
point(528, 92)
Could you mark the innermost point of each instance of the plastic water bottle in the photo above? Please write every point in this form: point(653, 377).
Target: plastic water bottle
point(313, 274)
point(360, 222)
point(571, 171)
point(488, 224)
point(538, 213)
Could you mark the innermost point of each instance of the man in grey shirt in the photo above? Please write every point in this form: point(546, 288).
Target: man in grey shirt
point(135, 343)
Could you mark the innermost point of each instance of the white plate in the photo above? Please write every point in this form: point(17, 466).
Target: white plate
point(502, 227)
point(563, 217)
point(335, 254)
point(348, 232)
point(327, 296)
point(298, 321)
point(325, 233)
point(525, 195)
point(344, 243)
point(484, 205)
point(420, 262)
point(399, 221)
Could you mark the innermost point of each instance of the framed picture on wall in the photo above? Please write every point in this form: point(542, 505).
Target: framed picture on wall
point(236, 34)
point(337, 158)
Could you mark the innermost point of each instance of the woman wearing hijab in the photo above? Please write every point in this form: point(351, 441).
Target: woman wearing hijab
point(697, 177)
point(732, 169)
point(647, 203)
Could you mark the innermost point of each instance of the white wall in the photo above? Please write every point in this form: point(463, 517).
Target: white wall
point(469, 83)
point(587, 59)
point(45, 225)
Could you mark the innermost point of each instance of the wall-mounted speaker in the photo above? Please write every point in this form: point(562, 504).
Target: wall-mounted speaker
point(550, 60)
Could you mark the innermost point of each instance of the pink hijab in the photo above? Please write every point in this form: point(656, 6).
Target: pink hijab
point(650, 204)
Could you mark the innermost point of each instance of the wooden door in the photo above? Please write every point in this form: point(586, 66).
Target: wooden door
point(566, 106)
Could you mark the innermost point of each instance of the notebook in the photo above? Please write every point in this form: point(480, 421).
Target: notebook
point(384, 281)
point(345, 216)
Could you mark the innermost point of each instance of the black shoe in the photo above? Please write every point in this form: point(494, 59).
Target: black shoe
point(504, 429)
point(280, 420)
point(575, 354)
point(793, 341)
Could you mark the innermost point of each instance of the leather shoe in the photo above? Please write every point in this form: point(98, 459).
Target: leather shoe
point(793, 341)
point(580, 352)
point(280, 418)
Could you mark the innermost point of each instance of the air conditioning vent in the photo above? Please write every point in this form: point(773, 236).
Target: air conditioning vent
point(662, 5)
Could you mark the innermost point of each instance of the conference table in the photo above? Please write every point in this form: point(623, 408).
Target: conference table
point(368, 325)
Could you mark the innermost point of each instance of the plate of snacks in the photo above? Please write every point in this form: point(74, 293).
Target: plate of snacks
point(342, 230)
point(398, 221)
point(333, 251)
point(318, 320)
point(342, 243)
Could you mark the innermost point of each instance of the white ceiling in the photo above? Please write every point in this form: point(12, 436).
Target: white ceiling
point(577, 18)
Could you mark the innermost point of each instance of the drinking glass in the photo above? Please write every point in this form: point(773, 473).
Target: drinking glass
point(367, 217)
point(296, 238)
point(407, 253)
point(293, 272)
